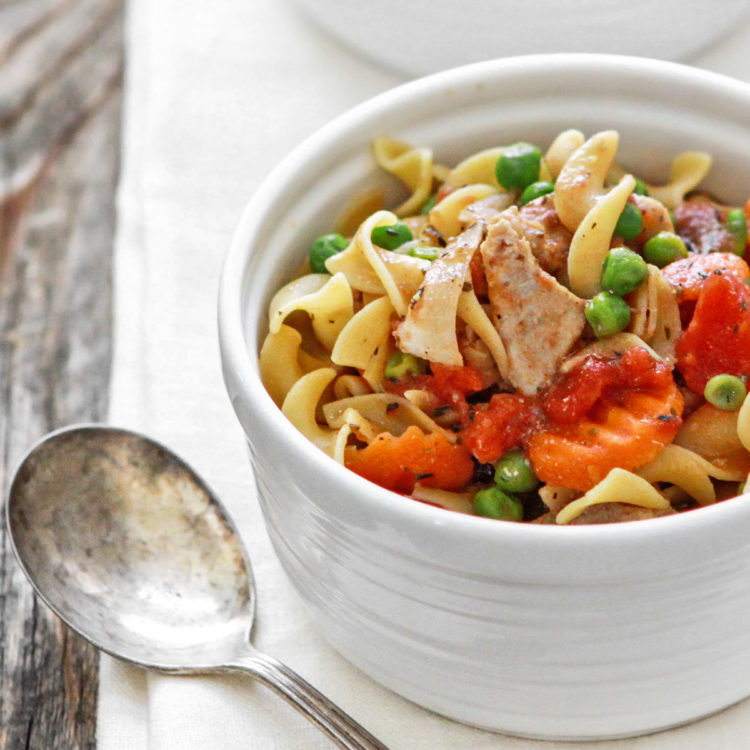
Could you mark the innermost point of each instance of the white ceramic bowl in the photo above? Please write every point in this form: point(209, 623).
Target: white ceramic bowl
point(424, 36)
point(574, 632)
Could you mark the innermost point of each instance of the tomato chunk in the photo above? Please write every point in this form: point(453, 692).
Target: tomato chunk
point(503, 424)
point(450, 384)
point(453, 383)
point(570, 399)
point(718, 338)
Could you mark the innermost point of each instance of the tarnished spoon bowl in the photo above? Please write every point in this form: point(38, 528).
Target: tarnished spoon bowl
point(129, 547)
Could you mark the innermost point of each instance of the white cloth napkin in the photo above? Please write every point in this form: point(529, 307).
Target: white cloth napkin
point(216, 94)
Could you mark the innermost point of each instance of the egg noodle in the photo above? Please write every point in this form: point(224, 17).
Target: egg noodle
point(528, 336)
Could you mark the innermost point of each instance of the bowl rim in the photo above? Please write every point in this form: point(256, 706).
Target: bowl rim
point(239, 365)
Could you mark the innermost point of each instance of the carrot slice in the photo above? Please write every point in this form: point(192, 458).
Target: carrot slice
point(689, 275)
point(396, 463)
point(625, 433)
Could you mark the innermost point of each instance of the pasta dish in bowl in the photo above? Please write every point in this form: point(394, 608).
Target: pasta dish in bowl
point(527, 337)
point(529, 307)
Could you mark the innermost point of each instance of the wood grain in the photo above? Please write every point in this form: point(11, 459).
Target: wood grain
point(60, 99)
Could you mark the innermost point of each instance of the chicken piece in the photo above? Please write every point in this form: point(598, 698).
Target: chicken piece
point(485, 209)
point(607, 513)
point(617, 513)
point(537, 318)
point(429, 328)
point(548, 236)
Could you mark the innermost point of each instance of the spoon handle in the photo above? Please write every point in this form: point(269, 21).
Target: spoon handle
point(337, 724)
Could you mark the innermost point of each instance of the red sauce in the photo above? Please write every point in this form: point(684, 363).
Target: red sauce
point(510, 419)
point(717, 341)
point(453, 384)
point(505, 422)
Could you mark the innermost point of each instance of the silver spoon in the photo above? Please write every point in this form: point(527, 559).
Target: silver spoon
point(128, 546)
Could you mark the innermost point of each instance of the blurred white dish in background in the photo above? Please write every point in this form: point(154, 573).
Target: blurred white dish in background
point(423, 36)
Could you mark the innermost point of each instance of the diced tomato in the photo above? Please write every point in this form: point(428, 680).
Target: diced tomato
point(505, 422)
point(689, 275)
point(570, 399)
point(451, 382)
point(588, 391)
point(452, 385)
point(598, 376)
point(717, 340)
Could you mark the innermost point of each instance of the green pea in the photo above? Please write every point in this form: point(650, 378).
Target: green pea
point(494, 503)
point(640, 187)
point(664, 248)
point(400, 364)
point(536, 190)
point(518, 166)
point(736, 225)
point(607, 314)
point(514, 473)
point(623, 271)
point(630, 223)
point(428, 205)
point(323, 248)
point(391, 236)
point(425, 252)
point(725, 392)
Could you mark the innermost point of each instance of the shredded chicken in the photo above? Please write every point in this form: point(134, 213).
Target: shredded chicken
point(486, 209)
point(548, 237)
point(429, 328)
point(537, 318)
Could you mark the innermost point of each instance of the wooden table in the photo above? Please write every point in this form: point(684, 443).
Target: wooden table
point(61, 64)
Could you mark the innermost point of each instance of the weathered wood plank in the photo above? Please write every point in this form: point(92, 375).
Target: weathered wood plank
point(60, 87)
